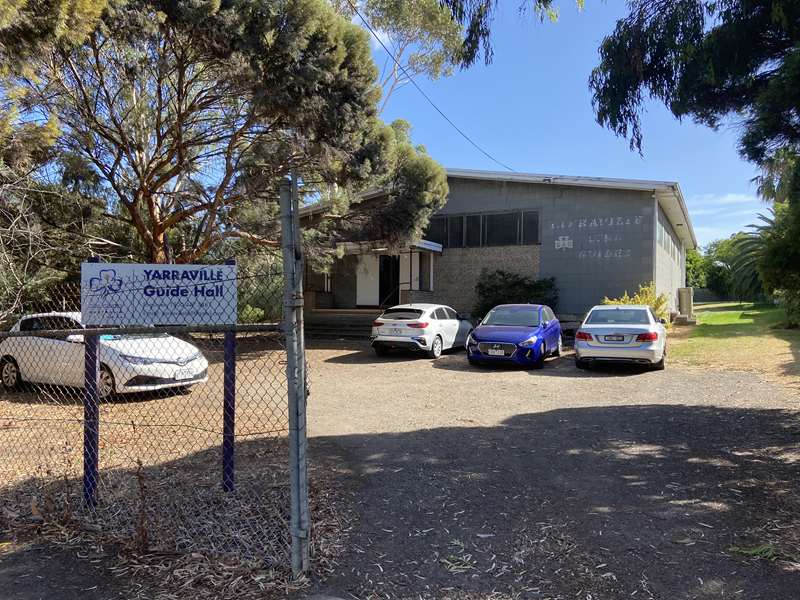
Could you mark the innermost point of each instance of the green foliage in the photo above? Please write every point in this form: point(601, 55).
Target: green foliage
point(476, 16)
point(695, 271)
point(421, 35)
point(191, 112)
point(251, 314)
point(646, 295)
point(779, 259)
point(762, 552)
point(706, 59)
point(503, 287)
point(413, 186)
point(27, 26)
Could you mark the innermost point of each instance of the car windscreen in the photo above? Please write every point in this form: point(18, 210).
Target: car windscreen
point(134, 336)
point(512, 317)
point(402, 314)
point(618, 316)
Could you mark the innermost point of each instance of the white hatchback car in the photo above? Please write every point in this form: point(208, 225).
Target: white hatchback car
point(621, 333)
point(430, 328)
point(128, 363)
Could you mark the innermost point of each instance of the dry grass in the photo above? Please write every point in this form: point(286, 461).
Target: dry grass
point(741, 337)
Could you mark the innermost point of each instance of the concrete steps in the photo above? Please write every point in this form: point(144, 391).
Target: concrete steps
point(324, 324)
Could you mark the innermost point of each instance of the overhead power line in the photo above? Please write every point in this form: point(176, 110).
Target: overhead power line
point(421, 91)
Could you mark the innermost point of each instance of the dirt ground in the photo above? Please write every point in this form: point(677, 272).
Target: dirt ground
point(484, 483)
point(468, 483)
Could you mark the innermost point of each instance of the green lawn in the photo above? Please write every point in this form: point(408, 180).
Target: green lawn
point(739, 336)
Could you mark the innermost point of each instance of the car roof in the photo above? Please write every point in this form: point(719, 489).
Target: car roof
point(418, 306)
point(616, 306)
point(518, 306)
point(72, 315)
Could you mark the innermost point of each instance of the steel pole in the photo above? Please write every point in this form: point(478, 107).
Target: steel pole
point(291, 304)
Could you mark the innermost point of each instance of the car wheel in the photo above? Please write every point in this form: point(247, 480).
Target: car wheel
point(560, 347)
point(581, 364)
point(436, 348)
point(661, 365)
point(9, 372)
point(380, 350)
point(106, 387)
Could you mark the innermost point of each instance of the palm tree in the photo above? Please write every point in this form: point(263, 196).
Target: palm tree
point(750, 247)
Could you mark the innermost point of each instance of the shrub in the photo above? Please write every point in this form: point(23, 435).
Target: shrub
point(502, 287)
point(790, 301)
point(646, 295)
point(250, 314)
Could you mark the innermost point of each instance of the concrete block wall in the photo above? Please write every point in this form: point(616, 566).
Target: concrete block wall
point(456, 271)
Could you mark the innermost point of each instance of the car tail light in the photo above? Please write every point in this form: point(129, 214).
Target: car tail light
point(582, 335)
point(377, 323)
point(650, 336)
point(417, 325)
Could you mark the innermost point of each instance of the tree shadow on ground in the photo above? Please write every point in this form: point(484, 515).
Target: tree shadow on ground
point(604, 502)
point(601, 502)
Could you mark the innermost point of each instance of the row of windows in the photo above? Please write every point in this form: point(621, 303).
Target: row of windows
point(472, 231)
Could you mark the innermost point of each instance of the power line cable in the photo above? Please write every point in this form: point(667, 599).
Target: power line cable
point(421, 91)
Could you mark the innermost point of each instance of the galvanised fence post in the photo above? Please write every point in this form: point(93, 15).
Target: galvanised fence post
point(292, 326)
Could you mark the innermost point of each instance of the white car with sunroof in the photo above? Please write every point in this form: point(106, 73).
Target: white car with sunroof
point(429, 328)
point(625, 333)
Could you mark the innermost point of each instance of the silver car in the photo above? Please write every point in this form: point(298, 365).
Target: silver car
point(625, 333)
point(429, 328)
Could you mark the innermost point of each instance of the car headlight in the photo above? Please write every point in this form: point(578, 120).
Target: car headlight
point(471, 340)
point(194, 357)
point(530, 341)
point(138, 360)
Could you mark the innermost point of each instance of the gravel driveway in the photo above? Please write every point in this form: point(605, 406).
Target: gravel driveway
point(504, 483)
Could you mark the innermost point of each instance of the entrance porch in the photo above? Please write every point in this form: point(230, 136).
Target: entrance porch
point(370, 276)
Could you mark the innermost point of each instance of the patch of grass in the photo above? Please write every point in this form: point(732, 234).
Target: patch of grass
point(740, 336)
point(762, 552)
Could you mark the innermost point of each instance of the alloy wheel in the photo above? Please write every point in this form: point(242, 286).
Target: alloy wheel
point(105, 385)
point(10, 374)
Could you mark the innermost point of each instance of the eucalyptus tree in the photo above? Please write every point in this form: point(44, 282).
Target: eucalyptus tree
point(190, 113)
point(421, 35)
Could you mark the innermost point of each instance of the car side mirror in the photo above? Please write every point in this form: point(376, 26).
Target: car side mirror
point(75, 338)
point(662, 321)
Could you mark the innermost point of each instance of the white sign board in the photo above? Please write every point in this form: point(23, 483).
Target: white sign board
point(137, 294)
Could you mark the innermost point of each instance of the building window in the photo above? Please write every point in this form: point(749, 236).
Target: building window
point(473, 237)
point(501, 229)
point(437, 231)
point(424, 271)
point(530, 228)
point(455, 232)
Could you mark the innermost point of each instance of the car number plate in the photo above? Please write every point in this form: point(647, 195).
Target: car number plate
point(493, 352)
point(184, 374)
point(614, 338)
point(395, 331)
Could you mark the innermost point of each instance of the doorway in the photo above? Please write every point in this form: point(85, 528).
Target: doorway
point(389, 279)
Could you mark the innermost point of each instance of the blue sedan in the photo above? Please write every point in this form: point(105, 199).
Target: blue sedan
point(524, 334)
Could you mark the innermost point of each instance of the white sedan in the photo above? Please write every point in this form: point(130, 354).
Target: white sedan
point(128, 363)
point(429, 328)
point(621, 333)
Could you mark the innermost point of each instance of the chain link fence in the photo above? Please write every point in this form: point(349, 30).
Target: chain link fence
point(190, 452)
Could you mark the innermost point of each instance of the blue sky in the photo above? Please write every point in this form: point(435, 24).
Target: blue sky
point(531, 109)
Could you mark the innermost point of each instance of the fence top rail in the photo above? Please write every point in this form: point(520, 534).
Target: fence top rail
point(168, 329)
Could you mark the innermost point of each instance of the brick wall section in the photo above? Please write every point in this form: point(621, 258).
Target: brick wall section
point(417, 296)
point(456, 270)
